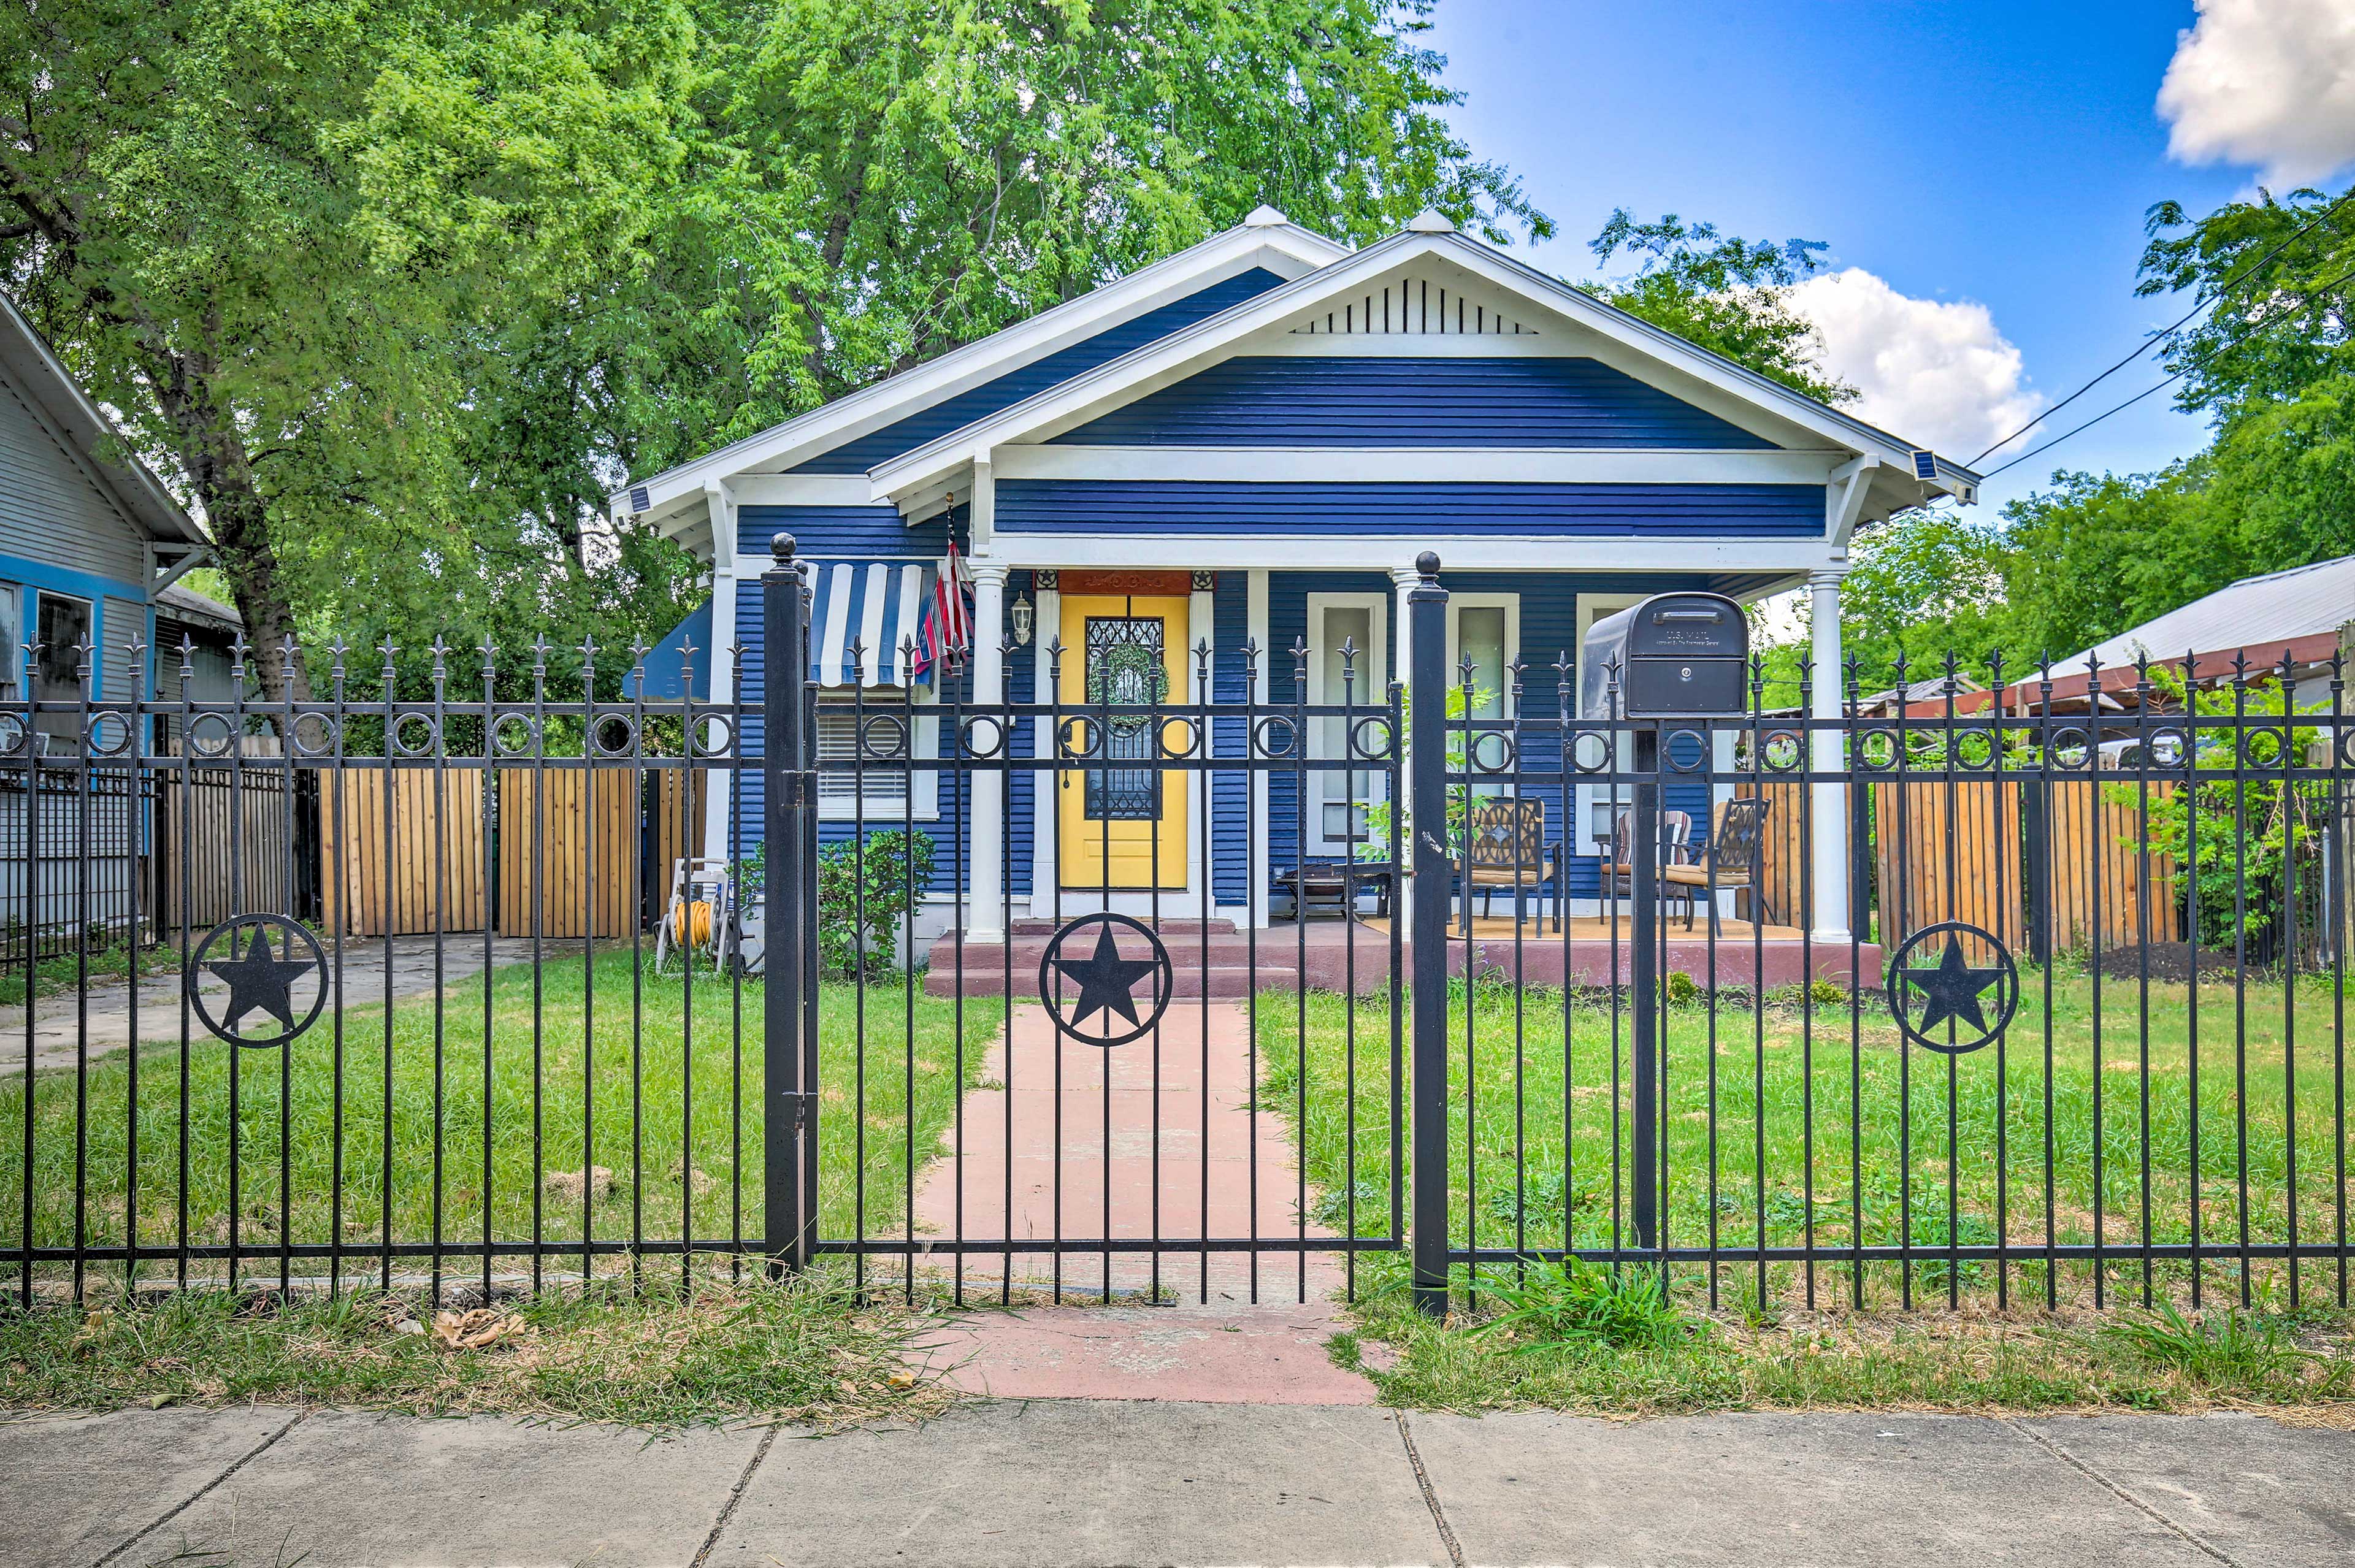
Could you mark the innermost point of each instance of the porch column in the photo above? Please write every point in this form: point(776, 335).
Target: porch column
point(1828, 803)
point(985, 912)
point(1403, 580)
point(1199, 628)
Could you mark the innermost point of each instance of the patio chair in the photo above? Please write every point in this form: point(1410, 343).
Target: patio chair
point(1729, 861)
point(1504, 847)
point(1675, 849)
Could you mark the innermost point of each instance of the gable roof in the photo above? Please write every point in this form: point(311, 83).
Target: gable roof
point(34, 368)
point(1182, 354)
point(1266, 243)
point(2276, 608)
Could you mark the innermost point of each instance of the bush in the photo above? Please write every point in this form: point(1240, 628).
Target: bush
point(878, 876)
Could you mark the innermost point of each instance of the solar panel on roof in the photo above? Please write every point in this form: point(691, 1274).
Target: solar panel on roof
point(1925, 465)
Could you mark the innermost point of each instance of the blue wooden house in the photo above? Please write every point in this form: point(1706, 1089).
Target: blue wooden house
point(1247, 444)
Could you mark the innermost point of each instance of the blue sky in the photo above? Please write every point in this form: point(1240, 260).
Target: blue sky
point(1997, 153)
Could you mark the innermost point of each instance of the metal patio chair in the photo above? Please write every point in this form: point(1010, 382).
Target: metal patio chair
point(1505, 846)
point(1729, 862)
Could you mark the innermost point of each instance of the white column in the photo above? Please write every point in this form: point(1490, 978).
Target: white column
point(719, 663)
point(1403, 579)
point(1828, 802)
point(984, 911)
point(1255, 591)
point(1198, 853)
point(1045, 819)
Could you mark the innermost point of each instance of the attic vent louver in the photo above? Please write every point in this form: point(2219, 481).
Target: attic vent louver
point(1412, 307)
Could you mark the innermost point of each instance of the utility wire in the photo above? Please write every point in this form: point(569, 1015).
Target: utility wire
point(2208, 304)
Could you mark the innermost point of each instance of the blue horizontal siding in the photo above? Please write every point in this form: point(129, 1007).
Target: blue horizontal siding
point(840, 533)
point(1282, 400)
point(1095, 506)
point(858, 455)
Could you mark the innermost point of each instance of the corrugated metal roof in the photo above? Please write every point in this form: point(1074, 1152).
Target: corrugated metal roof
point(2274, 608)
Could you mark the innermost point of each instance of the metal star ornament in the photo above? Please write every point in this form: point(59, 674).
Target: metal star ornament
point(1107, 982)
point(261, 979)
point(1951, 989)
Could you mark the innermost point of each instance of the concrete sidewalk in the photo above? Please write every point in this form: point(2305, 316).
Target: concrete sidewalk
point(1086, 1482)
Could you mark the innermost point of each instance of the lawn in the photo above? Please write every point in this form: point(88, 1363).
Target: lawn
point(583, 1116)
point(1909, 1148)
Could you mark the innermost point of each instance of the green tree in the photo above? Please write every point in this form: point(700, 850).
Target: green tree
point(1726, 293)
point(267, 232)
point(881, 181)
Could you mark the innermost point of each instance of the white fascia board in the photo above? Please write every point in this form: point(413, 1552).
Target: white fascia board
point(1315, 552)
point(1285, 250)
point(801, 490)
point(1172, 359)
point(1422, 464)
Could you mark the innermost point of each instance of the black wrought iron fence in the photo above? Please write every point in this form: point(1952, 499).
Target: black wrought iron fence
point(1135, 963)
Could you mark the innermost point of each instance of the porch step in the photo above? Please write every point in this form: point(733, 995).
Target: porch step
point(1168, 928)
point(1221, 982)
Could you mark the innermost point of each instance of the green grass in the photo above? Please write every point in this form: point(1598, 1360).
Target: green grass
point(659, 1357)
point(2076, 1360)
point(66, 971)
point(1743, 1085)
point(499, 1136)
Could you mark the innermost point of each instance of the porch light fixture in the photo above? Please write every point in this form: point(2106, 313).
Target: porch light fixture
point(1021, 610)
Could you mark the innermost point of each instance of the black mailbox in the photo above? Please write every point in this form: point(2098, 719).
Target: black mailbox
point(1680, 655)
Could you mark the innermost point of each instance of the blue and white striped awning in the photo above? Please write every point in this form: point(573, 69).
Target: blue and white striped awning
point(877, 604)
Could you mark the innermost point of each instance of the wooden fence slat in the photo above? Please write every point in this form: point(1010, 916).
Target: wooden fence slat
point(430, 877)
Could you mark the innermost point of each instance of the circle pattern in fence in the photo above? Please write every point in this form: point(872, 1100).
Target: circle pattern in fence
point(1106, 979)
point(1952, 991)
point(258, 980)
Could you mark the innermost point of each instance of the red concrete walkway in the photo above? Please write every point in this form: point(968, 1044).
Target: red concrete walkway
point(1143, 1133)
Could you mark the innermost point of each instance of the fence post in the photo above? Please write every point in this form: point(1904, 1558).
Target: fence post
point(1427, 684)
point(1643, 986)
point(789, 790)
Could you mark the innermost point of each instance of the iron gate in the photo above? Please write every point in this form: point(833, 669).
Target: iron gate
point(1138, 985)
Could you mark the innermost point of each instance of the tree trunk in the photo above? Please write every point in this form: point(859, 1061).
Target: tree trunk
point(220, 472)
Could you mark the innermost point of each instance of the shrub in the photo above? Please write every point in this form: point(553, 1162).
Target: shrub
point(877, 876)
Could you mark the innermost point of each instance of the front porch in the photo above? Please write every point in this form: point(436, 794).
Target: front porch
point(1220, 959)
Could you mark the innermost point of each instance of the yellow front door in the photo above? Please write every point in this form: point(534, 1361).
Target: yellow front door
point(1121, 828)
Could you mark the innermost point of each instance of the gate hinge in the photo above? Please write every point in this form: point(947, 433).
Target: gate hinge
point(803, 1104)
point(800, 789)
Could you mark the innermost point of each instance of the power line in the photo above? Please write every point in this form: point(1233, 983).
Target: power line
point(2087, 425)
point(2208, 304)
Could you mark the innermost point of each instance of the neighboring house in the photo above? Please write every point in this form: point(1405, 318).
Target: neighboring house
point(2302, 615)
point(1250, 442)
point(88, 539)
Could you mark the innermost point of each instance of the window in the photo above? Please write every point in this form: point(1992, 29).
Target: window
point(1337, 814)
point(1486, 629)
point(1596, 807)
point(11, 638)
point(893, 729)
point(64, 625)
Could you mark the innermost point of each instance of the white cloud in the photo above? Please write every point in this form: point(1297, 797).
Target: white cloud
point(2269, 82)
point(1939, 375)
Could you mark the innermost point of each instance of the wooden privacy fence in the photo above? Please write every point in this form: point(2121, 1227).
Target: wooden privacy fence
point(401, 850)
point(404, 855)
point(1992, 853)
point(231, 841)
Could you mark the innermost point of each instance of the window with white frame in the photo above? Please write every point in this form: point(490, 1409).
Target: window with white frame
point(1597, 808)
point(1338, 820)
point(1484, 629)
point(881, 730)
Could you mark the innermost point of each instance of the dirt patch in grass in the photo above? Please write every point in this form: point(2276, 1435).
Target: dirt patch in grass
point(2169, 960)
point(809, 1353)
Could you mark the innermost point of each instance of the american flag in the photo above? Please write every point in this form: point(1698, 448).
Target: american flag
point(948, 618)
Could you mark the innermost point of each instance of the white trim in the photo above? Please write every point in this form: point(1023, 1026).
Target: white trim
point(1172, 359)
point(1201, 615)
point(1244, 548)
point(1850, 486)
point(1579, 836)
point(1407, 465)
point(1285, 250)
point(801, 490)
point(716, 808)
point(1371, 685)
